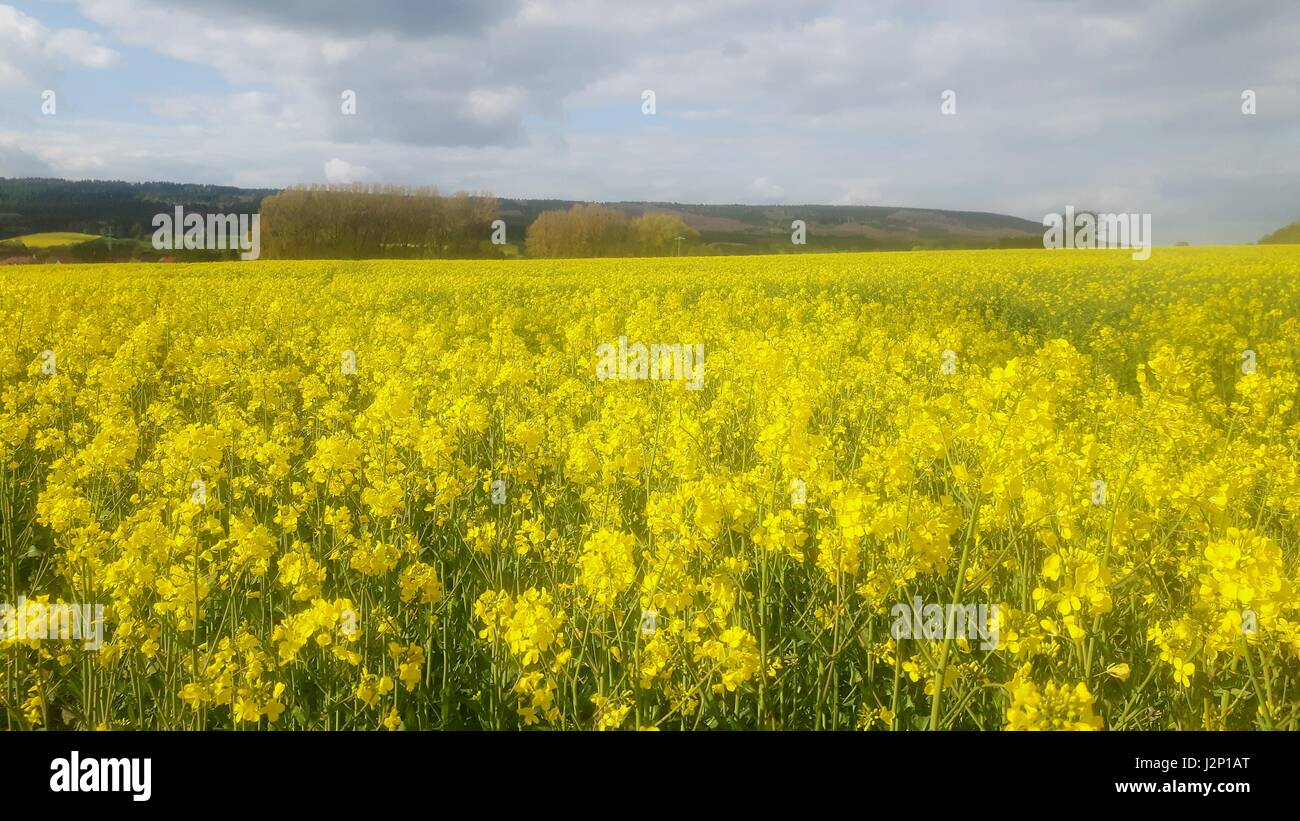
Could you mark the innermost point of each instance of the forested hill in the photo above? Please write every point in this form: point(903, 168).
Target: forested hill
point(766, 228)
point(115, 209)
point(126, 210)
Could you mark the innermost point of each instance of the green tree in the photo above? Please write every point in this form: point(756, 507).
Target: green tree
point(1289, 235)
point(657, 233)
point(582, 231)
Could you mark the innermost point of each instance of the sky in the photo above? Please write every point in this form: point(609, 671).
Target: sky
point(1132, 107)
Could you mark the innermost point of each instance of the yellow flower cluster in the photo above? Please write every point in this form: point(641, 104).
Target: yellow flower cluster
point(320, 495)
point(1050, 707)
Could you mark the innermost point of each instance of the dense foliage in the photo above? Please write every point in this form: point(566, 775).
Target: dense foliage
point(421, 508)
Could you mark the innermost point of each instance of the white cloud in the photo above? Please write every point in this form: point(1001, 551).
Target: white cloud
point(15, 162)
point(859, 192)
point(33, 55)
point(80, 47)
point(766, 190)
point(706, 115)
point(342, 171)
point(761, 100)
point(488, 105)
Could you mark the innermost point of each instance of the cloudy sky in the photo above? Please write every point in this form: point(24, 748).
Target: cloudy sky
point(1115, 106)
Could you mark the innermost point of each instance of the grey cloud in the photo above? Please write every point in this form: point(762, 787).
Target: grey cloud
point(1129, 105)
point(351, 18)
point(15, 162)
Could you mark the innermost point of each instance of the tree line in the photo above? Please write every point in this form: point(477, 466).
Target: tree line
point(601, 231)
point(364, 221)
point(353, 221)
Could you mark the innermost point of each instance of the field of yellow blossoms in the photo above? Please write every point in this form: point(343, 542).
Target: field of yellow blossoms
point(358, 495)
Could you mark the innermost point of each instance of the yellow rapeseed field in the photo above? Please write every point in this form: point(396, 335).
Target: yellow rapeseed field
point(333, 495)
point(53, 239)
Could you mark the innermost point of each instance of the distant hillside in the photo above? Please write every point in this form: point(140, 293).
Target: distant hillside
point(124, 210)
point(766, 228)
point(1290, 235)
point(114, 209)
